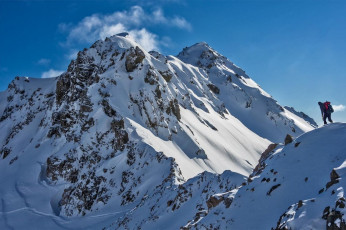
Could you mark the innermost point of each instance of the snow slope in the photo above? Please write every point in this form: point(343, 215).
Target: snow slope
point(121, 127)
point(244, 98)
point(300, 187)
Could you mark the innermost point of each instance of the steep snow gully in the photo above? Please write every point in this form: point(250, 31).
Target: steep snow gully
point(130, 139)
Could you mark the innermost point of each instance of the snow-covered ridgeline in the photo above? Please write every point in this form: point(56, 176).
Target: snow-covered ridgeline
point(122, 126)
point(300, 187)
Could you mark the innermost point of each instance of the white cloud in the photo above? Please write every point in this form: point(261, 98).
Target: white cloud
point(51, 73)
point(135, 21)
point(159, 17)
point(339, 108)
point(109, 30)
point(43, 61)
point(146, 39)
point(87, 30)
point(181, 23)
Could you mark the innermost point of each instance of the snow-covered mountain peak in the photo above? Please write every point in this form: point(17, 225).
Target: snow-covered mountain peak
point(113, 54)
point(104, 53)
point(205, 57)
point(119, 41)
point(121, 128)
point(197, 52)
point(199, 48)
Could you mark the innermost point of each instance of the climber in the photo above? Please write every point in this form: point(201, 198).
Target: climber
point(326, 110)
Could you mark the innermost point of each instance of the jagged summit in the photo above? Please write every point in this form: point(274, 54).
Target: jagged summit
point(197, 49)
point(205, 57)
point(195, 53)
point(123, 40)
point(116, 43)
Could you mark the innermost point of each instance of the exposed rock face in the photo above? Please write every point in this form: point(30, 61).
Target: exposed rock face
point(334, 179)
point(288, 139)
point(214, 88)
point(134, 58)
point(261, 163)
point(213, 202)
point(167, 75)
point(174, 108)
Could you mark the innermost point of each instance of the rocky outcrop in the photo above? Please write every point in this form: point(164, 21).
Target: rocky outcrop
point(288, 139)
point(214, 88)
point(261, 163)
point(134, 58)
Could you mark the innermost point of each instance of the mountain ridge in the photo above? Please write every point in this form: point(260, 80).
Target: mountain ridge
point(123, 126)
point(301, 186)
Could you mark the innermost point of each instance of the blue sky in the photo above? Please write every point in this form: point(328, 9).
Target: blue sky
point(296, 50)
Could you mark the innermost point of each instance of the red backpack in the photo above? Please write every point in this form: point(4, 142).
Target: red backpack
point(328, 107)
